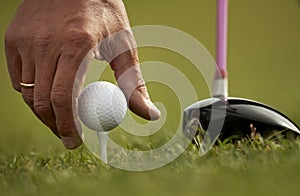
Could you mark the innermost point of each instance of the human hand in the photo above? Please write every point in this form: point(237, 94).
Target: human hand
point(45, 45)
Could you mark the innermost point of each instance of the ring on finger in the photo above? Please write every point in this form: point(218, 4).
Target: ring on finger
point(27, 85)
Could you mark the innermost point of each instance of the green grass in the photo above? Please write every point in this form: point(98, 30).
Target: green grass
point(247, 167)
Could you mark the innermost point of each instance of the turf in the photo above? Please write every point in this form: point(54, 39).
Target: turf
point(248, 167)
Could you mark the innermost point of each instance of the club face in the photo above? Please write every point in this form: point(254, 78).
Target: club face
point(241, 118)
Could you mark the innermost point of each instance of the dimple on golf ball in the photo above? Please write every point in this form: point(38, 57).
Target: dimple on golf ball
point(102, 106)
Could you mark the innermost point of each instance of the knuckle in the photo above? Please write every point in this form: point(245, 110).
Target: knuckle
point(9, 42)
point(42, 42)
point(119, 44)
point(60, 97)
point(78, 38)
point(17, 36)
point(8, 38)
point(76, 44)
point(10, 34)
point(42, 106)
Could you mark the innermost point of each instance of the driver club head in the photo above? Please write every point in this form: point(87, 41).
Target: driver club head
point(221, 118)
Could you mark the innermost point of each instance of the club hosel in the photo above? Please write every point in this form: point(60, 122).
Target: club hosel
point(220, 84)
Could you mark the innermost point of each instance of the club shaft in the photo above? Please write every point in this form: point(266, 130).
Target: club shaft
point(222, 29)
point(220, 84)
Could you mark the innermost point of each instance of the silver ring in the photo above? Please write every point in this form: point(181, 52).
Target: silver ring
point(24, 85)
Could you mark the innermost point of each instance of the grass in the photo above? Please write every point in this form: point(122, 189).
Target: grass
point(247, 167)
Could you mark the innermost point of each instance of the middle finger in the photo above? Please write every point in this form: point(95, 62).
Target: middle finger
point(44, 73)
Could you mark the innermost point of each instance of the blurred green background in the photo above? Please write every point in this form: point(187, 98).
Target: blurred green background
point(263, 59)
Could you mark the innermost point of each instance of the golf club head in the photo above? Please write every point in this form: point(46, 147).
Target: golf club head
point(221, 118)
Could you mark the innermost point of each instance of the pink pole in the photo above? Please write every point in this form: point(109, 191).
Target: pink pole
point(222, 23)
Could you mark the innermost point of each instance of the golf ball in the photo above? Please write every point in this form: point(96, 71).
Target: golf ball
point(101, 106)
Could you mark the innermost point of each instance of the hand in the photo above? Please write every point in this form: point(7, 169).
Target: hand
point(45, 44)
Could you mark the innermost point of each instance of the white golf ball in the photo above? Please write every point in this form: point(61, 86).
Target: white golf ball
point(102, 106)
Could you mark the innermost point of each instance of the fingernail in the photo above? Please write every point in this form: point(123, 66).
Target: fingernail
point(70, 143)
point(154, 111)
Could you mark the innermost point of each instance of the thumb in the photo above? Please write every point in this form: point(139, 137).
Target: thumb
point(129, 77)
point(119, 49)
